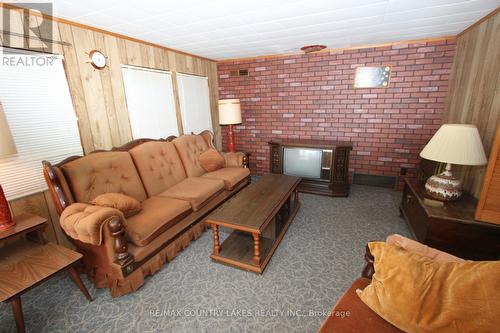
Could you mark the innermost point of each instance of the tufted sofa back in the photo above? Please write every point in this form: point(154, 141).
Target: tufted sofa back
point(189, 148)
point(103, 172)
point(159, 166)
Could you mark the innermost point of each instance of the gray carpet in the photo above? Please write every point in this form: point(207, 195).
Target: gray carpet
point(321, 254)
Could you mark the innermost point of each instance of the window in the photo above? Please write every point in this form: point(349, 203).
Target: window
point(37, 103)
point(150, 102)
point(194, 100)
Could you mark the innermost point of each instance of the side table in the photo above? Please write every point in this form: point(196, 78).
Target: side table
point(26, 264)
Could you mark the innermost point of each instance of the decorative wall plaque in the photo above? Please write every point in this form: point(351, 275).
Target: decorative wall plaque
point(372, 77)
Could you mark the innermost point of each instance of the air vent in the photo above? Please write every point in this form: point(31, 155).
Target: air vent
point(240, 72)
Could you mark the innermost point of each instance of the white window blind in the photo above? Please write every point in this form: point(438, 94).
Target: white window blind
point(37, 103)
point(194, 101)
point(150, 102)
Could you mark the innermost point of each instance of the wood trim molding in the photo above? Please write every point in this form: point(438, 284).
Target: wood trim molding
point(114, 34)
point(475, 24)
point(330, 50)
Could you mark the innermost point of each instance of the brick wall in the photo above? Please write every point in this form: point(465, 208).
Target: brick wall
point(311, 96)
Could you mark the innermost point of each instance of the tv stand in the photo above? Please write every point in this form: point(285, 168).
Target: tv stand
point(333, 179)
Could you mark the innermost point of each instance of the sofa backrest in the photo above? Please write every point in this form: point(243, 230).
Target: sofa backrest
point(159, 166)
point(103, 172)
point(189, 148)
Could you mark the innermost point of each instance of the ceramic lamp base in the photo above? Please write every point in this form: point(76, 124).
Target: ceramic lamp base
point(6, 221)
point(445, 186)
point(231, 145)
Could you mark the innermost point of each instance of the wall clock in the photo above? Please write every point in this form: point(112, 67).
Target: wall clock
point(97, 59)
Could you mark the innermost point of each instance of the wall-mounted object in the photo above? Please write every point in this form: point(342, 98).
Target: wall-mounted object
point(452, 144)
point(312, 48)
point(372, 77)
point(239, 72)
point(230, 114)
point(97, 59)
point(7, 147)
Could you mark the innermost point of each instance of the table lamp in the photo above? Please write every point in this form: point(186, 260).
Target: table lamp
point(230, 114)
point(452, 144)
point(7, 147)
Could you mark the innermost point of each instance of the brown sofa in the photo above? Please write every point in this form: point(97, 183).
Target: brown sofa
point(175, 193)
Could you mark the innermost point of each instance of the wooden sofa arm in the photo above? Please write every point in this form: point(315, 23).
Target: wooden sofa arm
point(85, 223)
point(369, 268)
point(236, 160)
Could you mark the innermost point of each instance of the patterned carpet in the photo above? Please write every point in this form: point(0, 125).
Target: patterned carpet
point(321, 254)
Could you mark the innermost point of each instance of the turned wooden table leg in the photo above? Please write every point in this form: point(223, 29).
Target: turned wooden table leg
point(78, 281)
point(216, 239)
point(18, 314)
point(256, 248)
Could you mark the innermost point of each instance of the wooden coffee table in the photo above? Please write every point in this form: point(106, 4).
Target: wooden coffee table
point(259, 215)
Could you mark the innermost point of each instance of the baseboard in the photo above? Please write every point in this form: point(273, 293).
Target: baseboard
point(375, 180)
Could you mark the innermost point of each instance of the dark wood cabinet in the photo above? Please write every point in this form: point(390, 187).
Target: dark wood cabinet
point(332, 175)
point(450, 227)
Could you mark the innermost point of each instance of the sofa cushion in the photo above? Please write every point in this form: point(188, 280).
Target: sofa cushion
point(196, 190)
point(159, 165)
point(189, 148)
point(125, 204)
point(104, 172)
point(351, 315)
point(230, 176)
point(211, 160)
point(418, 294)
point(157, 215)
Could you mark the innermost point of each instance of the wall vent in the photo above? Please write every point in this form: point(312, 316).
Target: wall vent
point(240, 72)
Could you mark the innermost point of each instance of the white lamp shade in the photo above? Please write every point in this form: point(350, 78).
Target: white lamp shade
point(7, 145)
point(456, 144)
point(229, 112)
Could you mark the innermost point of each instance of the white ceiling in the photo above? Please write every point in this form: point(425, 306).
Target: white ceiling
point(221, 29)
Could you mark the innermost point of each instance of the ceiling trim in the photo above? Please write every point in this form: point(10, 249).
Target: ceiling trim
point(114, 34)
point(330, 50)
point(475, 24)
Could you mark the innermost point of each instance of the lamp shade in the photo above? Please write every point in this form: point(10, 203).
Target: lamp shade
point(229, 112)
point(7, 145)
point(456, 144)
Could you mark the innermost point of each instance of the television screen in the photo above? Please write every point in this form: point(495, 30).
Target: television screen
point(303, 162)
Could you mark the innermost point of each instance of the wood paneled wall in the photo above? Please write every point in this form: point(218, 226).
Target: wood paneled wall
point(98, 95)
point(474, 89)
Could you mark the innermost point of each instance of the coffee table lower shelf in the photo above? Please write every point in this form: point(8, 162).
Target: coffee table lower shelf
point(238, 249)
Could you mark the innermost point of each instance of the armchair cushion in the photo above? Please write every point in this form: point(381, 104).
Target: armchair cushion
point(211, 160)
point(125, 204)
point(158, 215)
point(196, 190)
point(418, 294)
point(230, 176)
point(84, 222)
point(234, 160)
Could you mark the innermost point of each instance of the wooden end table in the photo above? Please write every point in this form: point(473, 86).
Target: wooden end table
point(260, 214)
point(26, 264)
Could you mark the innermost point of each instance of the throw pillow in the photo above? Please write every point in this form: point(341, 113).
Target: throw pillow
point(127, 205)
point(422, 249)
point(211, 160)
point(418, 294)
